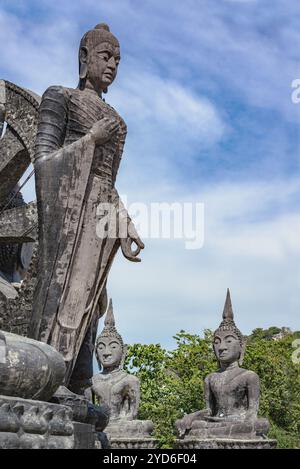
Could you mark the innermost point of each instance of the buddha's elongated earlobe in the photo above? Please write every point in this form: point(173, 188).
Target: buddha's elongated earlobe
point(83, 71)
point(83, 57)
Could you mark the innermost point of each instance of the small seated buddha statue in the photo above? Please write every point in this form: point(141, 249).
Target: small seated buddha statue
point(116, 388)
point(231, 393)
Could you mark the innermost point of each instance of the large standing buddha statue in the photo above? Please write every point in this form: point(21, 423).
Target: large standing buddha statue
point(79, 145)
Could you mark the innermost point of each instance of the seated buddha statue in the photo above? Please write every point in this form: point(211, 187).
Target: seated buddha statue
point(231, 393)
point(116, 388)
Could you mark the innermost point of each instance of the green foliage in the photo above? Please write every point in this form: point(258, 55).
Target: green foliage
point(172, 381)
point(265, 333)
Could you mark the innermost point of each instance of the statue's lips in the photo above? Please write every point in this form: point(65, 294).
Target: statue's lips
point(107, 76)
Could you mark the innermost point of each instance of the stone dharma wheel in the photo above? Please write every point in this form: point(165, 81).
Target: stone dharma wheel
point(18, 222)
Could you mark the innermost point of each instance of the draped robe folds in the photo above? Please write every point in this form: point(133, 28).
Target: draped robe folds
point(73, 176)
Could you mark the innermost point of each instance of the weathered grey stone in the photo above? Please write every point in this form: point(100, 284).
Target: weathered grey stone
point(21, 115)
point(79, 145)
point(133, 443)
point(14, 160)
point(194, 443)
point(83, 410)
point(18, 225)
point(84, 436)
point(16, 312)
point(27, 424)
point(119, 390)
point(231, 394)
point(29, 369)
point(20, 111)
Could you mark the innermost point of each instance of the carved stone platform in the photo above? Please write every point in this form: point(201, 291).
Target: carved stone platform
point(192, 443)
point(133, 443)
point(27, 424)
point(84, 435)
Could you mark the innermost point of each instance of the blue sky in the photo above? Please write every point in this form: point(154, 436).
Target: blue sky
point(205, 89)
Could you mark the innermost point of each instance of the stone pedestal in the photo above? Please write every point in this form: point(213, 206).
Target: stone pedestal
point(27, 424)
point(133, 443)
point(218, 443)
point(84, 436)
point(130, 434)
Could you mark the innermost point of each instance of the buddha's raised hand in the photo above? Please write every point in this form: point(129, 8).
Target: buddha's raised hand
point(103, 130)
point(132, 239)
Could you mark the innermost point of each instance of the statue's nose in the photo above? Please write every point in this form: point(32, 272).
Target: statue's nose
point(111, 63)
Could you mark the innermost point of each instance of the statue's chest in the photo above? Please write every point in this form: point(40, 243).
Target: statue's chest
point(227, 386)
point(109, 390)
point(84, 109)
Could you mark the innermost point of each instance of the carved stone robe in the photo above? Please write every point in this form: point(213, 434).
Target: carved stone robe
point(73, 176)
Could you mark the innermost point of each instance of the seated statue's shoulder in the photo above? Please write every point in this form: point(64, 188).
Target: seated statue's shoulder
point(211, 376)
point(250, 375)
point(125, 375)
point(133, 379)
point(98, 378)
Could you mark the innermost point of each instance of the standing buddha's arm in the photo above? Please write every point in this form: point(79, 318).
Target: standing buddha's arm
point(53, 114)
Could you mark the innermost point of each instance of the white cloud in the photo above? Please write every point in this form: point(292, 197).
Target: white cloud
point(257, 257)
point(166, 105)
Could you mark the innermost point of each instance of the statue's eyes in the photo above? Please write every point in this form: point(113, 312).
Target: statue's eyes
point(104, 56)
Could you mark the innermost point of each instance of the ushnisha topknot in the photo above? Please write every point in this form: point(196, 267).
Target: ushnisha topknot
point(109, 329)
point(100, 33)
point(228, 323)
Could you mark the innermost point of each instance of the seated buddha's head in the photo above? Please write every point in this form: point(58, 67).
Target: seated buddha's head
point(110, 349)
point(228, 341)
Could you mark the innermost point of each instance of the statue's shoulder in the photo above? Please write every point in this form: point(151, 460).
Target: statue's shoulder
point(250, 375)
point(123, 375)
point(211, 376)
point(58, 94)
point(98, 379)
point(57, 90)
point(132, 378)
point(112, 109)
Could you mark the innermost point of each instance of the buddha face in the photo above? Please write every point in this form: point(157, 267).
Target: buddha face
point(227, 347)
point(102, 64)
point(109, 352)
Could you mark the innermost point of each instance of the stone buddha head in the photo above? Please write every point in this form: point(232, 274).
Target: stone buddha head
point(228, 341)
point(99, 57)
point(110, 348)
